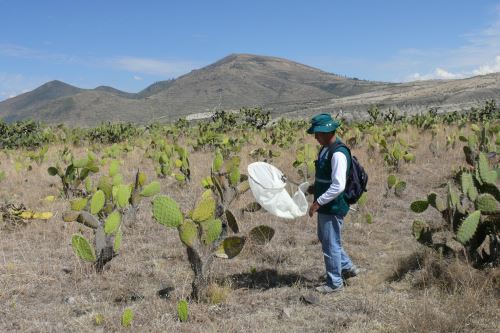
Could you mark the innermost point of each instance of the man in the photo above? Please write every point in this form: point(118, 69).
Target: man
point(330, 204)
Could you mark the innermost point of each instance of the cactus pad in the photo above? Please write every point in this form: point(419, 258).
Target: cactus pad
point(211, 231)
point(114, 168)
point(230, 247)
point(188, 232)
point(252, 207)
point(151, 189)
point(453, 199)
point(468, 227)
point(262, 234)
point(70, 216)
point(487, 176)
point(234, 176)
point(142, 178)
point(118, 240)
point(400, 188)
point(182, 310)
point(391, 181)
point(97, 202)
point(78, 204)
point(82, 248)
point(409, 157)
point(487, 203)
point(231, 222)
point(419, 228)
point(205, 208)
point(105, 184)
point(179, 177)
point(218, 161)
point(243, 187)
point(127, 317)
point(53, 171)
point(167, 212)
point(117, 179)
point(419, 206)
point(123, 195)
point(112, 223)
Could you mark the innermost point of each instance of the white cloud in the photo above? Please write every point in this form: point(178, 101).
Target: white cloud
point(442, 74)
point(154, 66)
point(477, 55)
point(487, 69)
point(137, 78)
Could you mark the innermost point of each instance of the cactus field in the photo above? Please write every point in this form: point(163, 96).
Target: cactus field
point(154, 229)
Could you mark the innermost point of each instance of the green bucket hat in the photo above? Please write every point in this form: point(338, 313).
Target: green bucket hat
point(323, 123)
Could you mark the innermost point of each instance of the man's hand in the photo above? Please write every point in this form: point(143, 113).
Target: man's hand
point(314, 208)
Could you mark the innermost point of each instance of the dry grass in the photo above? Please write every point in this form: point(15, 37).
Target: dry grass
point(45, 288)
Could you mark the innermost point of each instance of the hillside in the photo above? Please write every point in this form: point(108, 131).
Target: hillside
point(279, 85)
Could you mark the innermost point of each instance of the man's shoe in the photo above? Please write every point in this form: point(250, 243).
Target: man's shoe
point(351, 272)
point(325, 289)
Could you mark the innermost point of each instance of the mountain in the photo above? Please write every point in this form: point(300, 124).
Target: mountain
point(243, 80)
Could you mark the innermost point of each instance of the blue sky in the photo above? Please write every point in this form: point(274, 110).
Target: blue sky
point(131, 44)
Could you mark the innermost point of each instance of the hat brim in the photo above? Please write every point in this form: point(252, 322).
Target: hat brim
point(321, 129)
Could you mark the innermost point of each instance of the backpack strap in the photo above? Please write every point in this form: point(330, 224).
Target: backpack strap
point(334, 146)
point(331, 150)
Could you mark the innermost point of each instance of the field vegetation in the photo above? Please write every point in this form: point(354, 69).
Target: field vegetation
point(153, 228)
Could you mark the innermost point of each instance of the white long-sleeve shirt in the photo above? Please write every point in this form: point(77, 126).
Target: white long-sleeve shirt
point(339, 175)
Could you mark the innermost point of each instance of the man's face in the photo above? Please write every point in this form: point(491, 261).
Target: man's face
point(323, 138)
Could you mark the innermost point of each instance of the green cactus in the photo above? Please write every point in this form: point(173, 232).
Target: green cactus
point(188, 232)
point(261, 234)
point(487, 204)
point(114, 168)
point(105, 184)
point(391, 181)
point(118, 240)
point(127, 317)
point(420, 231)
point(97, 202)
point(82, 248)
point(230, 247)
point(218, 161)
point(468, 227)
point(205, 208)
point(400, 188)
point(487, 176)
point(234, 176)
point(150, 189)
point(182, 310)
point(453, 199)
point(78, 204)
point(123, 195)
point(419, 206)
point(167, 212)
point(112, 222)
point(211, 231)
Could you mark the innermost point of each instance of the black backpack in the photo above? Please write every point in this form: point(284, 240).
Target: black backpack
point(356, 180)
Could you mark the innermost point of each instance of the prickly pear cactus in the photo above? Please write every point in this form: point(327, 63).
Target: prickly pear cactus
point(182, 310)
point(82, 248)
point(167, 212)
point(470, 215)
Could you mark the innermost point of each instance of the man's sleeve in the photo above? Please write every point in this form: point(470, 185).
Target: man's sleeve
point(339, 175)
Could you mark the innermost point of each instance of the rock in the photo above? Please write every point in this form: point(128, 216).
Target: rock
point(69, 300)
point(286, 313)
point(67, 270)
point(165, 292)
point(310, 299)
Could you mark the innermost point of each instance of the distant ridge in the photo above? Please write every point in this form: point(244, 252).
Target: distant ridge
point(244, 80)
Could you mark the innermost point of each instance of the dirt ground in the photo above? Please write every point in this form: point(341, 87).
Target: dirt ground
point(44, 287)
